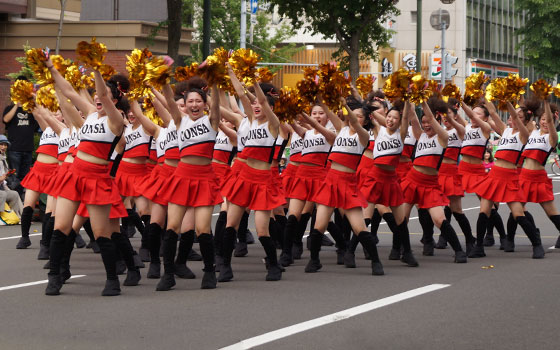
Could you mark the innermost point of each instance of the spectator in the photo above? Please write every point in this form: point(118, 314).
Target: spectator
point(282, 165)
point(488, 160)
point(6, 194)
point(21, 127)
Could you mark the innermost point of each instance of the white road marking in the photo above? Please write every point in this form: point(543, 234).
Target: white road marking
point(335, 317)
point(19, 236)
point(553, 247)
point(32, 283)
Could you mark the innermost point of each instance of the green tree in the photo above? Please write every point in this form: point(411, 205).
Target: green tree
point(540, 35)
point(25, 70)
point(356, 24)
point(225, 32)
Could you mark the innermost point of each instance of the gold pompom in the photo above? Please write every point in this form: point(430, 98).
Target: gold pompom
point(89, 80)
point(396, 86)
point(264, 75)
point(186, 72)
point(451, 91)
point(36, 60)
point(308, 88)
point(419, 89)
point(74, 76)
point(21, 92)
point(60, 64)
point(287, 106)
point(106, 71)
point(46, 97)
point(150, 111)
point(92, 54)
point(556, 91)
point(214, 70)
point(364, 84)
point(244, 64)
point(136, 68)
point(505, 90)
point(473, 88)
point(333, 84)
point(542, 89)
point(158, 72)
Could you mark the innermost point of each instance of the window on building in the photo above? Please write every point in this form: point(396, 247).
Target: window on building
point(413, 17)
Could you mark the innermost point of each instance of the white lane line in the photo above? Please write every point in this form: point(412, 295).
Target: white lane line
point(553, 247)
point(32, 283)
point(215, 214)
point(335, 317)
point(19, 236)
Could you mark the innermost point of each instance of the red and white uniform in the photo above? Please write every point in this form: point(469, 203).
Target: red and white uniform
point(312, 171)
point(474, 145)
point(366, 162)
point(63, 144)
point(382, 186)
point(130, 175)
point(450, 180)
point(502, 184)
point(296, 146)
point(223, 156)
point(340, 189)
point(419, 188)
point(279, 146)
point(535, 184)
point(255, 188)
point(152, 159)
point(193, 185)
point(41, 178)
point(230, 179)
point(408, 151)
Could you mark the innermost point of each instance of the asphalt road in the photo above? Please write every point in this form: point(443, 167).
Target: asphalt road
point(504, 301)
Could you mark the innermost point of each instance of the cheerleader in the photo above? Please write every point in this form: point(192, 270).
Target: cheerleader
point(534, 182)
point(40, 177)
point(340, 188)
point(253, 188)
point(277, 223)
point(311, 171)
point(192, 191)
point(88, 180)
point(502, 183)
point(421, 185)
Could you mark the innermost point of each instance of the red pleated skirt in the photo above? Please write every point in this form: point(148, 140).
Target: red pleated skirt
point(117, 211)
point(277, 180)
point(129, 176)
point(307, 182)
point(423, 189)
point(402, 169)
point(501, 185)
point(191, 186)
point(62, 170)
point(288, 177)
point(150, 167)
point(536, 186)
point(231, 178)
point(41, 178)
point(340, 190)
point(382, 187)
point(222, 172)
point(450, 181)
point(363, 168)
point(154, 182)
point(89, 183)
point(254, 189)
point(473, 175)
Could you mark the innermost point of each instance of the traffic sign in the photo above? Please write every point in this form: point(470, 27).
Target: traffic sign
point(254, 6)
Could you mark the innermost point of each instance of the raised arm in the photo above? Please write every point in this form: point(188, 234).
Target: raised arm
point(553, 138)
point(70, 112)
point(335, 120)
point(329, 135)
point(356, 93)
point(171, 105)
point(149, 127)
point(298, 129)
point(499, 125)
point(486, 128)
point(273, 121)
point(40, 115)
point(230, 133)
point(363, 135)
point(215, 108)
point(413, 120)
point(85, 94)
point(443, 136)
point(114, 117)
point(162, 111)
point(523, 131)
point(159, 96)
point(240, 91)
point(66, 88)
point(459, 127)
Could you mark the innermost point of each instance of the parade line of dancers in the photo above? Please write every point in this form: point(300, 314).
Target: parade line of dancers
point(104, 166)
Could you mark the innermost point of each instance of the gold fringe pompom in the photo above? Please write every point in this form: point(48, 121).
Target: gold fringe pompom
point(92, 54)
point(46, 97)
point(21, 92)
point(186, 72)
point(244, 64)
point(473, 88)
point(364, 84)
point(264, 75)
point(287, 106)
point(542, 89)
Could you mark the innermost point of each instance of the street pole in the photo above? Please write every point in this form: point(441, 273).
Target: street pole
point(443, 24)
point(206, 29)
point(243, 28)
point(419, 36)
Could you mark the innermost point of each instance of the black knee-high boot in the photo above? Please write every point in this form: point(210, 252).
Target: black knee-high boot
point(375, 221)
point(281, 221)
point(447, 212)
point(532, 234)
point(314, 263)
point(242, 231)
point(56, 253)
point(481, 226)
point(48, 227)
point(185, 245)
point(407, 256)
point(274, 271)
point(92, 241)
point(286, 258)
point(499, 224)
point(26, 216)
point(135, 220)
point(145, 242)
point(556, 221)
point(442, 243)
point(67, 252)
point(465, 226)
point(449, 233)
point(346, 229)
point(340, 242)
point(273, 232)
point(206, 243)
point(124, 248)
point(155, 232)
point(350, 254)
point(109, 257)
point(368, 243)
point(297, 248)
point(219, 232)
point(395, 253)
point(226, 273)
point(511, 225)
point(169, 245)
point(427, 232)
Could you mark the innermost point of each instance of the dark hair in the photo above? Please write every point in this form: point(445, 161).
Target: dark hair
point(453, 104)
point(119, 86)
point(531, 108)
point(269, 91)
point(180, 89)
point(437, 106)
point(22, 77)
point(553, 109)
point(489, 150)
point(354, 104)
point(123, 105)
point(197, 85)
point(483, 107)
point(375, 95)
